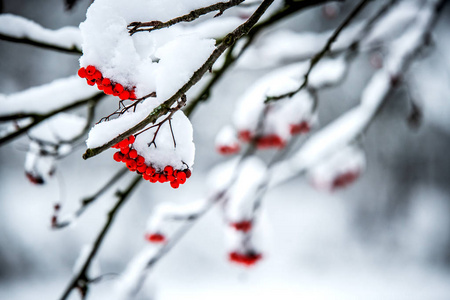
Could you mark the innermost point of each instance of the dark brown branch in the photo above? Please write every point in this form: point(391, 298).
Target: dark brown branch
point(316, 58)
point(38, 118)
point(27, 41)
point(193, 15)
point(165, 107)
point(80, 280)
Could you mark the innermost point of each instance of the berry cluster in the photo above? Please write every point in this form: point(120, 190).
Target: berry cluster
point(244, 226)
point(136, 163)
point(155, 237)
point(344, 179)
point(228, 149)
point(263, 142)
point(300, 128)
point(248, 259)
point(94, 76)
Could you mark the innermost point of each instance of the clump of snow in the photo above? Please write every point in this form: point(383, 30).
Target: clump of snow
point(177, 151)
point(339, 169)
point(162, 60)
point(60, 128)
point(47, 98)
point(227, 141)
point(22, 28)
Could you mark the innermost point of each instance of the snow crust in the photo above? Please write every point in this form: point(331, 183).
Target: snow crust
point(19, 27)
point(47, 98)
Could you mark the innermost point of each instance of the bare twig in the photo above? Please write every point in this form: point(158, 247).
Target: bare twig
point(27, 41)
point(193, 15)
point(38, 118)
point(165, 107)
point(81, 281)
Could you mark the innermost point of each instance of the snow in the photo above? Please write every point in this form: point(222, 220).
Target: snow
point(47, 98)
point(162, 60)
point(22, 28)
point(227, 137)
point(62, 127)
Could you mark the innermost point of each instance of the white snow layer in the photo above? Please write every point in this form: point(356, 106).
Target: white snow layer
point(62, 127)
point(47, 98)
point(162, 60)
point(22, 28)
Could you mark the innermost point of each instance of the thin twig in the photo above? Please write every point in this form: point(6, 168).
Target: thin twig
point(27, 41)
point(193, 15)
point(81, 281)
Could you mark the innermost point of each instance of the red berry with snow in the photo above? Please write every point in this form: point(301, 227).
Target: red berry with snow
point(155, 238)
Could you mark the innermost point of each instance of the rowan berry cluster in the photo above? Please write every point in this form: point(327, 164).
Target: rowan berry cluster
point(244, 226)
point(136, 163)
point(300, 128)
point(263, 142)
point(248, 259)
point(228, 149)
point(155, 237)
point(94, 76)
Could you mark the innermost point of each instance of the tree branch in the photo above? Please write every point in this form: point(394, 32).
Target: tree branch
point(81, 280)
point(165, 107)
point(193, 15)
point(27, 41)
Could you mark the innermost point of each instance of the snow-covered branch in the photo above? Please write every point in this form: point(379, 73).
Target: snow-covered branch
point(165, 107)
point(20, 30)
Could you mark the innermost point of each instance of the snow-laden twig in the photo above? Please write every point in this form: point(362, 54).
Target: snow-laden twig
point(20, 30)
point(193, 15)
point(81, 280)
point(165, 107)
point(348, 127)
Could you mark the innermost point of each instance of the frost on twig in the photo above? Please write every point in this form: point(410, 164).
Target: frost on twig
point(20, 30)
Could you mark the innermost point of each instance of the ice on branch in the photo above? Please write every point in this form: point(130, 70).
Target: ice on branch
point(339, 170)
point(46, 98)
point(162, 60)
point(20, 28)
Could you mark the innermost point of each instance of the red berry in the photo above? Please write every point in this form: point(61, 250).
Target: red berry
point(118, 156)
point(145, 176)
point(242, 226)
point(90, 82)
point(188, 173)
point(131, 164)
point(108, 90)
point(162, 178)
point(171, 178)
point(181, 177)
point(100, 87)
point(124, 143)
point(141, 168)
point(125, 150)
point(106, 82)
point(245, 135)
point(82, 72)
point(131, 139)
point(97, 76)
point(150, 171)
point(155, 238)
point(124, 95)
point(174, 184)
point(154, 178)
point(132, 95)
point(133, 154)
point(140, 160)
point(118, 88)
point(90, 70)
point(168, 170)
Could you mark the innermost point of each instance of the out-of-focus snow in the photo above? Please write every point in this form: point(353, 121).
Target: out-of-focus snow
point(62, 127)
point(47, 98)
point(22, 28)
